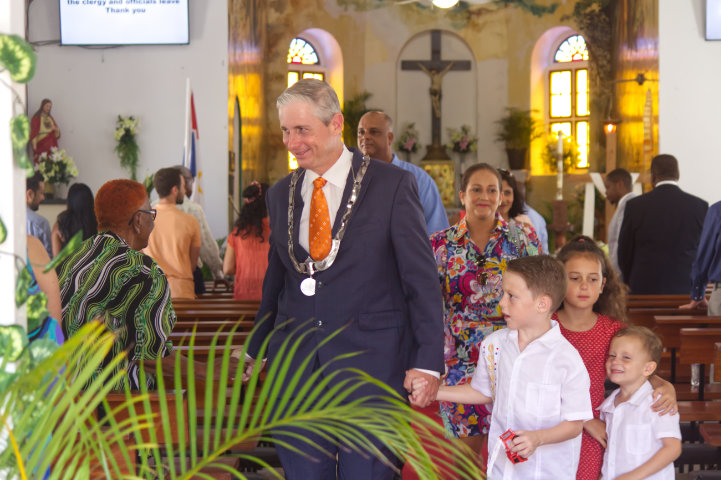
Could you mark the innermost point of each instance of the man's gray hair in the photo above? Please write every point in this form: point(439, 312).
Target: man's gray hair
point(318, 93)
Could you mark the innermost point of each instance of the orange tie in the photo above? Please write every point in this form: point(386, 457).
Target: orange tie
point(319, 222)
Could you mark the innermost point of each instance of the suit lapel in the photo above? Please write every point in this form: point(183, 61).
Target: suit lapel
point(300, 252)
point(356, 162)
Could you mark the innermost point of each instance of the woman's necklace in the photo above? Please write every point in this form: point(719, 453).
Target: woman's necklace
point(309, 267)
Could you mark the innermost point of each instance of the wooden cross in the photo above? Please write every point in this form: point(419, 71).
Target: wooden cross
point(435, 68)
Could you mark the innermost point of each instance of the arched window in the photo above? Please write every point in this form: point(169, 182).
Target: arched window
point(303, 62)
point(568, 94)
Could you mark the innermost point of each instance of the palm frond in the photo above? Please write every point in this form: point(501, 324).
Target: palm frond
point(326, 405)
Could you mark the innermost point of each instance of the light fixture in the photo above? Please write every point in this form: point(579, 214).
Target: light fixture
point(445, 3)
point(609, 127)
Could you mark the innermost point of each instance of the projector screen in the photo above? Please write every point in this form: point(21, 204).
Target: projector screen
point(713, 19)
point(123, 22)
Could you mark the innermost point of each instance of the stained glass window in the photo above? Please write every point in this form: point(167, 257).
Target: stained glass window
point(302, 52)
point(303, 62)
point(573, 49)
point(568, 94)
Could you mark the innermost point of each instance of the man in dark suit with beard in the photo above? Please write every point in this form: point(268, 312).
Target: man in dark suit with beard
point(359, 257)
point(660, 234)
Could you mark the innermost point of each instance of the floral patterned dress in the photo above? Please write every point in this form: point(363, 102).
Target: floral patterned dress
point(471, 284)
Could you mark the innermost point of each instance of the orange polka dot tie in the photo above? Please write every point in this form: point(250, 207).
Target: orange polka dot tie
point(319, 222)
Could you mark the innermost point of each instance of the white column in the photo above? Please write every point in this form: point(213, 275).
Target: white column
point(12, 179)
point(589, 204)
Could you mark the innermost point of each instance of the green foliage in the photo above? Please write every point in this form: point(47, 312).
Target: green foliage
point(47, 407)
point(325, 406)
point(148, 184)
point(517, 129)
point(127, 148)
point(570, 153)
point(17, 57)
point(353, 110)
point(20, 135)
point(3, 231)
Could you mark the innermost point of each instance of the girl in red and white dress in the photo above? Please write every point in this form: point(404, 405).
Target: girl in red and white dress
point(593, 310)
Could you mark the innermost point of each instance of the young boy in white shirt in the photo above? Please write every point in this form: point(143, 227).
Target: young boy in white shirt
point(641, 444)
point(535, 378)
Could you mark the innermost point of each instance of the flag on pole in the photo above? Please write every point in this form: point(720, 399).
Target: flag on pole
point(190, 156)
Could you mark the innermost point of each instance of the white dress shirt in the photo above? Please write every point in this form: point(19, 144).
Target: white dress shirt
point(614, 229)
point(540, 387)
point(335, 177)
point(634, 433)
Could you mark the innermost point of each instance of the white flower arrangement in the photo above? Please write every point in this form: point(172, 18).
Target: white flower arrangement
point(125, 125)
point(57, 167)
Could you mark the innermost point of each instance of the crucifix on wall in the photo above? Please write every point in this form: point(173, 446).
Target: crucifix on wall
point(435, 68)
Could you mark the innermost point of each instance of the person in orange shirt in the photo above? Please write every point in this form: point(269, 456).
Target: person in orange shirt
point(175, 241)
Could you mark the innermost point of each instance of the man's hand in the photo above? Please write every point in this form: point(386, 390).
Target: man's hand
point(597, 429)
point(249, 365)
point(526, 442)
point(703, 303)
point(421, 397)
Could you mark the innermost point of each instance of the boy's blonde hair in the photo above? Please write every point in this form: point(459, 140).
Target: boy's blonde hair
point(650, 342)
point(544, 275)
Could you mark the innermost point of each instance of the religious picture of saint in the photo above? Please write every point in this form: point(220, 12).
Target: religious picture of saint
point(44, 132)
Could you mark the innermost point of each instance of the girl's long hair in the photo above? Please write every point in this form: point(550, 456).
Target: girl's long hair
point(252, 212)
point(612, 301)
point(80, 213)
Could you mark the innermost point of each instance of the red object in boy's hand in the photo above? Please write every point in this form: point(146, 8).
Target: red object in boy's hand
point(507, 438)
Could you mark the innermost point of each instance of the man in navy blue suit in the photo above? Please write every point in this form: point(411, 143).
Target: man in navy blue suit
point(377, 275)
point(660, 234)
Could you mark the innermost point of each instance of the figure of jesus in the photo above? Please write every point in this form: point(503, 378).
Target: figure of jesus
point(44, 131)
point(435, 90)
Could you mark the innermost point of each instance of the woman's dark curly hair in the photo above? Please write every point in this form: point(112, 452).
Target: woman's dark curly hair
point(80, 214)
point(518, 206)
point(253, 211)
point(612, 301)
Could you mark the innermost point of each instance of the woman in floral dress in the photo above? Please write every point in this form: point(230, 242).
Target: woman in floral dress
point(471, 257)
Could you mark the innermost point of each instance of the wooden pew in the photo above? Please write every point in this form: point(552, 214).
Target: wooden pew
point(668, 327)
point(717, 362)
point(215, 314)
point(206, 338)
point(711, 433)
point(693, 411)
point(202, 325)
point(644, 317)
point(116, 399)
point(657, 301)
point(697, 346)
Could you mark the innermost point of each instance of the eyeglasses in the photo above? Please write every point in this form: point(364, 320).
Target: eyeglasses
point(152, 212)
point(481, 274)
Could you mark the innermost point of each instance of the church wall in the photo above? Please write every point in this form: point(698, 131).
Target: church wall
point(372, 36)
point(89, 87)
point(689, 97)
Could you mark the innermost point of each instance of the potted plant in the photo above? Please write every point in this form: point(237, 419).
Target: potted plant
point(517, 129)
